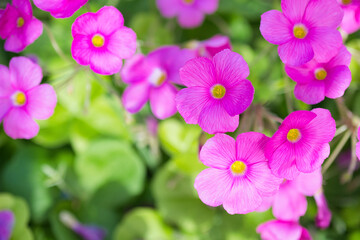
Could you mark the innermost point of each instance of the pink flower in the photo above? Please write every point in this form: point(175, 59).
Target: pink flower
point(317, 80)
point(217, 92)
point(323, 217)
point(209, 48)
point(22, 99)
point(304, 30)
point(102, 41)
point(301, 143)
point(190, 13)
point(18, 26)
point(239, 176)
point(60, 8)
point(151, 78)
point(281, 230)
point(358, 145)
point(7, 222)
point(351, 20)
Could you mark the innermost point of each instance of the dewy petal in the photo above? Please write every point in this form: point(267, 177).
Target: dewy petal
point(323, 13)
point(135, 96)
point(168, 8)
point(122, 43)
point(105, 63)
point(18, 124)
point(207, 6)
point(301, 75)
point(5, 106)
point(231, 68)
point(5, 84)
point(213, 186)
point(218, 152)
point(342, 58)
point(86, 24)
point(279, 230)
point(214, 119)
point(310, 93)
point(41, 102)
point(275, 27)
point(109, 19)
point(162, 101)
point(296, 52)
point(198, 72)
point(191, 101)
point(190, 17)
point(81, 49)
point(325, 42)
point(25, 74)
point(250, 147)
point(238, 98)
point(322, 129)
point(308, 183)
point(309, 161)
point(243, 197)
point(294, 9)
point(337, 81)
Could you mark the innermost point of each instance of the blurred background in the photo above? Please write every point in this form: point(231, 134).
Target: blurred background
point(132, 175)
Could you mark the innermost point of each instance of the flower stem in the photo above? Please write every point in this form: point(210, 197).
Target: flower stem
point(55, 45)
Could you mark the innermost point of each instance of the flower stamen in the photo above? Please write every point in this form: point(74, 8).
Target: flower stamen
point(320, 74)
point(300, 31)
point(20, 22)
point(238, 168)
point(218, 91)
point(18, 99)
point(294, 135)
point(98, 40)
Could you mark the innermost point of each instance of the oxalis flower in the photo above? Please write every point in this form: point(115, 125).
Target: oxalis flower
point(358, 145)
point(317, 80)
point(60, 8)
point(151, 78)
point(190, 13)
point(351, 20)
point(102, 41)
point(22, 99)
point(306, 29)
point(209, 48)
point(18, 26)
point(239, 176)
point(301, 143)
point(280, 230)
point(217, 92)
point(7, 221)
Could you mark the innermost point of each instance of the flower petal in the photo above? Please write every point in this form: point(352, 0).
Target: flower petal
point(275, 27)
point(162, 101)
point(105, 63)
point(122, 43)
point(23, 5)
point(309, 161)
point(310, 93)
point(25, 74)
point(198, 72)
point(135, 96)
point(218, 152)
point(301, 75)
point(5, 82)
point(190, 17)
point(337, 82)
point(18, 124)
point(277, 229)
point(207, 6)
point(296, 52)
point(294, 9)
point(324, 13)
point(250, 147)
point(109, 20)
point(81, 49)
point(298, 119)
point(322, 129)
point(86, 24)
point(238, 98)
point(342, 58)
point(168, 8)
point(5, 106)
point(309, 183)
point(41, 102)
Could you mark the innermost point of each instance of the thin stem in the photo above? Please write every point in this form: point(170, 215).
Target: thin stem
point(108, 88)
point(353, 162)
point(336, 151)
point(287, 94)
point(55, 45)
point(221, 24)
point(340, 130)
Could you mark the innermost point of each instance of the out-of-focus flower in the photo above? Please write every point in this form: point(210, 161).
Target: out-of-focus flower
point(23, 99)
point(358, 145)
point(217, 92)
point(151, 78)
point(323, 217)
point(209, 48)
point(301, 144)
point(190, 13)
point(18, 26)
point(87, 232)
point(101, 40)
point(351, 20)
point(60, 8)
point(317, 80)
point(7, 221)
point(239, 176)
point(304, 30)
point(281, 230)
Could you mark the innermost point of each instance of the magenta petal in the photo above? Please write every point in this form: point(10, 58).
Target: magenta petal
point(207, 6)
point(178, 61)
point(80, 49)
point(342, 58)
point(191, 101)
point(213, 186)
point(310, 93)
point(323, 216)
point(168, 8)
point(5, 84)
point(198, 72)
point(296, 52)
point(23, 5)
point(322, 129)
point(109, 19)
point(135, 69)
point(7, 223)
point(8, 21)
point(218, 152)
point(41, 101)
point(238, 98)
point(190, 17)
point(301, 75)
point(275, 27)
point(294, 9)
point(18, 124)
point(105, 63)
point(214, 119)
point(337, 81)
point(135, 96)
point(5, 106)
point(33, 31)
point(231, 68)
point(324, 13)
point(15, 43)
point(162, 101)
point(122, 43)
point(250, 146)
point(308, 183)
point(309, 161)
point(280, 230)
point(325, 42)
point(298, 119)
point(358, 150)
point(243, 197)
point(86, 24)
point(25, 73)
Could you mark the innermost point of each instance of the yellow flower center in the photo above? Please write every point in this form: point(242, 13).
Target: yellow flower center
point(293, 135)
point(320, 74)
point(218, 91)
point(189, 1)
point(157, 77)
point(18, 98)
point(20, 22)
point(300, 31)
point(98, 40)
point(346, 2)
point(238, 168)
